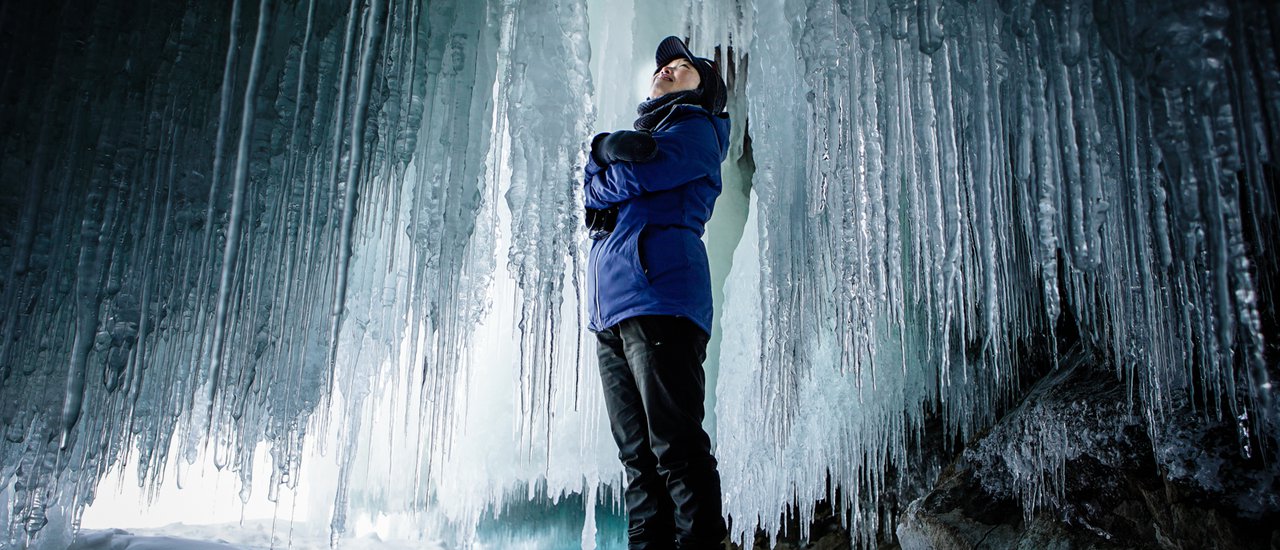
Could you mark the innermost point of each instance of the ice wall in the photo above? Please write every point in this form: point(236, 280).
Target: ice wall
point(939, 181)
point(269, 221)
point(203, 198)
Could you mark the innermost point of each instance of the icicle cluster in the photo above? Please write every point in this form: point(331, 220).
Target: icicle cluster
point(215, 213)
point(971, 172)
point(274, 221)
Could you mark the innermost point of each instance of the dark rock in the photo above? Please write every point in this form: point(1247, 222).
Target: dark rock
point(1073, 466)
point(827, 532)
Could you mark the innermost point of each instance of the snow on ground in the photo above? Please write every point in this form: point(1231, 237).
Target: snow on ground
point(208, 509)
point(249, 535)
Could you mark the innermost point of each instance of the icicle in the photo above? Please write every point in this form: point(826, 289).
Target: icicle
point(1047, 182)
point(232, 249)
point(372, 39)
point(546, 122)
point(90, 273)
point(933, 182)
point(206, 252)
point(929, 24)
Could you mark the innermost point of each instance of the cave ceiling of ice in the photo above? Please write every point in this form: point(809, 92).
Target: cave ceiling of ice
point(234, 223)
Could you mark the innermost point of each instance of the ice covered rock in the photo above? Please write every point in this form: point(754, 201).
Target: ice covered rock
point(1077, 436)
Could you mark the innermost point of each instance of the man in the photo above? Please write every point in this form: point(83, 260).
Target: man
point(649, 194)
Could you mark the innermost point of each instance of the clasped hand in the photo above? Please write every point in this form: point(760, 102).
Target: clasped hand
point(623, 145)
point(608, 148)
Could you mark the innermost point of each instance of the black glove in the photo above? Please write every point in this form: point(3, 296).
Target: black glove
point(625, 145)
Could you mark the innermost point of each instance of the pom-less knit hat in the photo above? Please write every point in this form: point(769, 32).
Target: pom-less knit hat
point(712, 90)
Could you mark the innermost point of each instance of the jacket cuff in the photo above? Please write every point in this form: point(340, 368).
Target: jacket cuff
point(589, 191)
point(592, 168)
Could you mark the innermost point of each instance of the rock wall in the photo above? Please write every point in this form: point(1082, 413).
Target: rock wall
point(1195, 484)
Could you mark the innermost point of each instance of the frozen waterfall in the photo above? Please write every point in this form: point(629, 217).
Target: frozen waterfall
point(350, 232)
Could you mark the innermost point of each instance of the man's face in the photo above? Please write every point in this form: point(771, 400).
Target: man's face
point(676, 76)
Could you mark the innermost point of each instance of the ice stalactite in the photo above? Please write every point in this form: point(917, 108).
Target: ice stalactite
point(225, 175)
point(422, 280)
point(546, 84)
point(280, 221)
point(976, 169)
point(231, 251)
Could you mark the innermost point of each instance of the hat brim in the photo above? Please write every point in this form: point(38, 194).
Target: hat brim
point(671, 48)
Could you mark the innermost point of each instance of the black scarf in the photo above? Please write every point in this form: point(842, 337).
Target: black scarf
point(653, 111)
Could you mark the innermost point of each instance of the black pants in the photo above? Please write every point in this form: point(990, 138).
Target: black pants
point(651, 368)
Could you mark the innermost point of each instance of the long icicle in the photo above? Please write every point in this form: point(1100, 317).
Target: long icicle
point(215, 177)
point(232, 249)
point(373, 35)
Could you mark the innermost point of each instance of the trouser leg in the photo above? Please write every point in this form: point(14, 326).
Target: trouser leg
point(650, 511)
point(665, 356)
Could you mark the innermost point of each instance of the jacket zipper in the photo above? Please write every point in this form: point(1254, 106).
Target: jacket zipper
point(596, 288)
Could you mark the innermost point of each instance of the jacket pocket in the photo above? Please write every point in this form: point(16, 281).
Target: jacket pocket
point(665, 251)
point(620, 272)
point(635, 255)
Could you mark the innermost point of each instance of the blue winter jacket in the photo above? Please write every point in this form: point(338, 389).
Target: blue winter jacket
point(654, 262)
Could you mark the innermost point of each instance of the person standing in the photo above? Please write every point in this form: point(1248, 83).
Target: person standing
point(648, 195)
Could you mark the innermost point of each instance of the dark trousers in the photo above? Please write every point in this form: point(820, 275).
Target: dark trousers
point(651, 368)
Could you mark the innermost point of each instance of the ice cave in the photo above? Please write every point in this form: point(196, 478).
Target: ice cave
point(986, 273)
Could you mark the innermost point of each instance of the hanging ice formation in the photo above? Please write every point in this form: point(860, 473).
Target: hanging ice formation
point(225, 225)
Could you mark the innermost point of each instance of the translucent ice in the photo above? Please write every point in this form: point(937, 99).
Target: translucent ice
point(357, 222)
